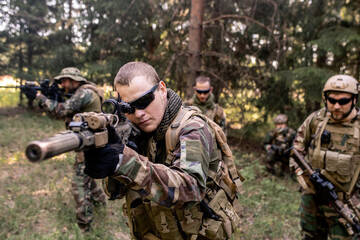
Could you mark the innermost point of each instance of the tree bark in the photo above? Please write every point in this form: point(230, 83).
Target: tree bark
point(195, 33)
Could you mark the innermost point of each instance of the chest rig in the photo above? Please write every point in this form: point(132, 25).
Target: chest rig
point(334, 149)
point(283, 138)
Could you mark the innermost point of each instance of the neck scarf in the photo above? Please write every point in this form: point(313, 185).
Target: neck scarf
point(171, 110)
point(209, 104)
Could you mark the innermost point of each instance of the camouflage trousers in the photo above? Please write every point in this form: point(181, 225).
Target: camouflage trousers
point(318, 222)
point(276, 164)
point(86, 193)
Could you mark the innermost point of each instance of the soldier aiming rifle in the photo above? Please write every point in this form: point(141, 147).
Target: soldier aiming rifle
point(30, 88)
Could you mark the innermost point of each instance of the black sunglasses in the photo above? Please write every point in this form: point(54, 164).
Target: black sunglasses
point(144, 100)
point(341, 101)
point(202, 91)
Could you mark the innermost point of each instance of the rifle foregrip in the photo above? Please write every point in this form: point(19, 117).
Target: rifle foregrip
point(43, 149)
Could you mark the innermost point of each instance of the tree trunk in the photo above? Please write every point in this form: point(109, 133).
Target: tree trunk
point(195, 32)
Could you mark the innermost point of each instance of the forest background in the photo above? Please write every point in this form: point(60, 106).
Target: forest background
point(264, 57)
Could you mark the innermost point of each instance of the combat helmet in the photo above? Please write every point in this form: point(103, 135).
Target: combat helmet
point(280, 119)
point(72, 73)
point(341, 83)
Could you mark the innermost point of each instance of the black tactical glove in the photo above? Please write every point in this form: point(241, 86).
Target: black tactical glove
point(113, 136)
point(30, 92)
point(101, 162)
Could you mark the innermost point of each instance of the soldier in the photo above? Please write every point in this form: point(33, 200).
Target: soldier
point(170, 194)
point(86, 98)
point(275, 144)
point(204, 99)
point(329, 140)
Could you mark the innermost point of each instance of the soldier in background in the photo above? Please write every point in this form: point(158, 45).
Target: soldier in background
point(329, 141)
point(204, 99)
point(275, 144)
point(86, 98)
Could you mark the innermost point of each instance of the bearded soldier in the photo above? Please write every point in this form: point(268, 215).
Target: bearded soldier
point(204, 100)
point(276, 143)
point(86, 98)
point(329, 140)
point(178, 192)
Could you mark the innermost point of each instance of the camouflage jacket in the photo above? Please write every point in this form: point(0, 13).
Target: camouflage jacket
point(184, 180)
point(85, 99)
point(282, 138)
point(330, 146)
point(211, 109)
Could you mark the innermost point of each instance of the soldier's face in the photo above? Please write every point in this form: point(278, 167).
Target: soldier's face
point(203, 91)
point(69, 85)
point(147, 119)
point(339, 111)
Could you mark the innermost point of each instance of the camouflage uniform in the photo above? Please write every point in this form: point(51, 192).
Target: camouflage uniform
point(164, 191)
point(275, 143)
point(333, 147)
point(211, 109)
point(85, 99)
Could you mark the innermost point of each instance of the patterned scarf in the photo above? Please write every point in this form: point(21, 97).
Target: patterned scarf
point(209, 104)
point(171, 110)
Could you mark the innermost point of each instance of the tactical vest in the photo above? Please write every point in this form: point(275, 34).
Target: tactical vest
point(148, 220)
point(283, 139)
point(334, 149)
point(223, 173)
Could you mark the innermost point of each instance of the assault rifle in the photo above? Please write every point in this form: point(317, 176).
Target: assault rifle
point(87, 130)
point(326, 190)
point(52, 91)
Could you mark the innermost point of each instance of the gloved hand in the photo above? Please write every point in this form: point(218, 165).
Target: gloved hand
point(113, 136)
point(102, 162)
point(30, 92)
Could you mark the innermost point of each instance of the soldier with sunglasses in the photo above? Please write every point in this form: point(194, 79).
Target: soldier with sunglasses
point(86, 98)
point(169, 194)
point(203, 98)
point(329, 139)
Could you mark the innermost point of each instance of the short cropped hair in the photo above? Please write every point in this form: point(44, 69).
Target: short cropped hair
point(202, 79)
point(133, 69)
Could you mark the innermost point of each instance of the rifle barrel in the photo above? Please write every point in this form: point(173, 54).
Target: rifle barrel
point(9, 86)
point(41, 150)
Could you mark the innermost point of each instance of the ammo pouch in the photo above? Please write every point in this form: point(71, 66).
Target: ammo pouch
point(138, 219)
point(168, 220)
point(339, 166)
point(223, 228)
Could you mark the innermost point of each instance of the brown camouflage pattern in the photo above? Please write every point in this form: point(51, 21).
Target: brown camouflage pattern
point(86, 194)
point(319, 221)
point(278, 162)
point(181, 183)
point(83, 100)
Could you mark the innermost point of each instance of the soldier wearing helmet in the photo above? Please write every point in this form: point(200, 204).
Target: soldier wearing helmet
point(329, 141)
point(275, 144)
point(86, 98)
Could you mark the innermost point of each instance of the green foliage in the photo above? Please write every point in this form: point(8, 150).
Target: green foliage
point(270, 203)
